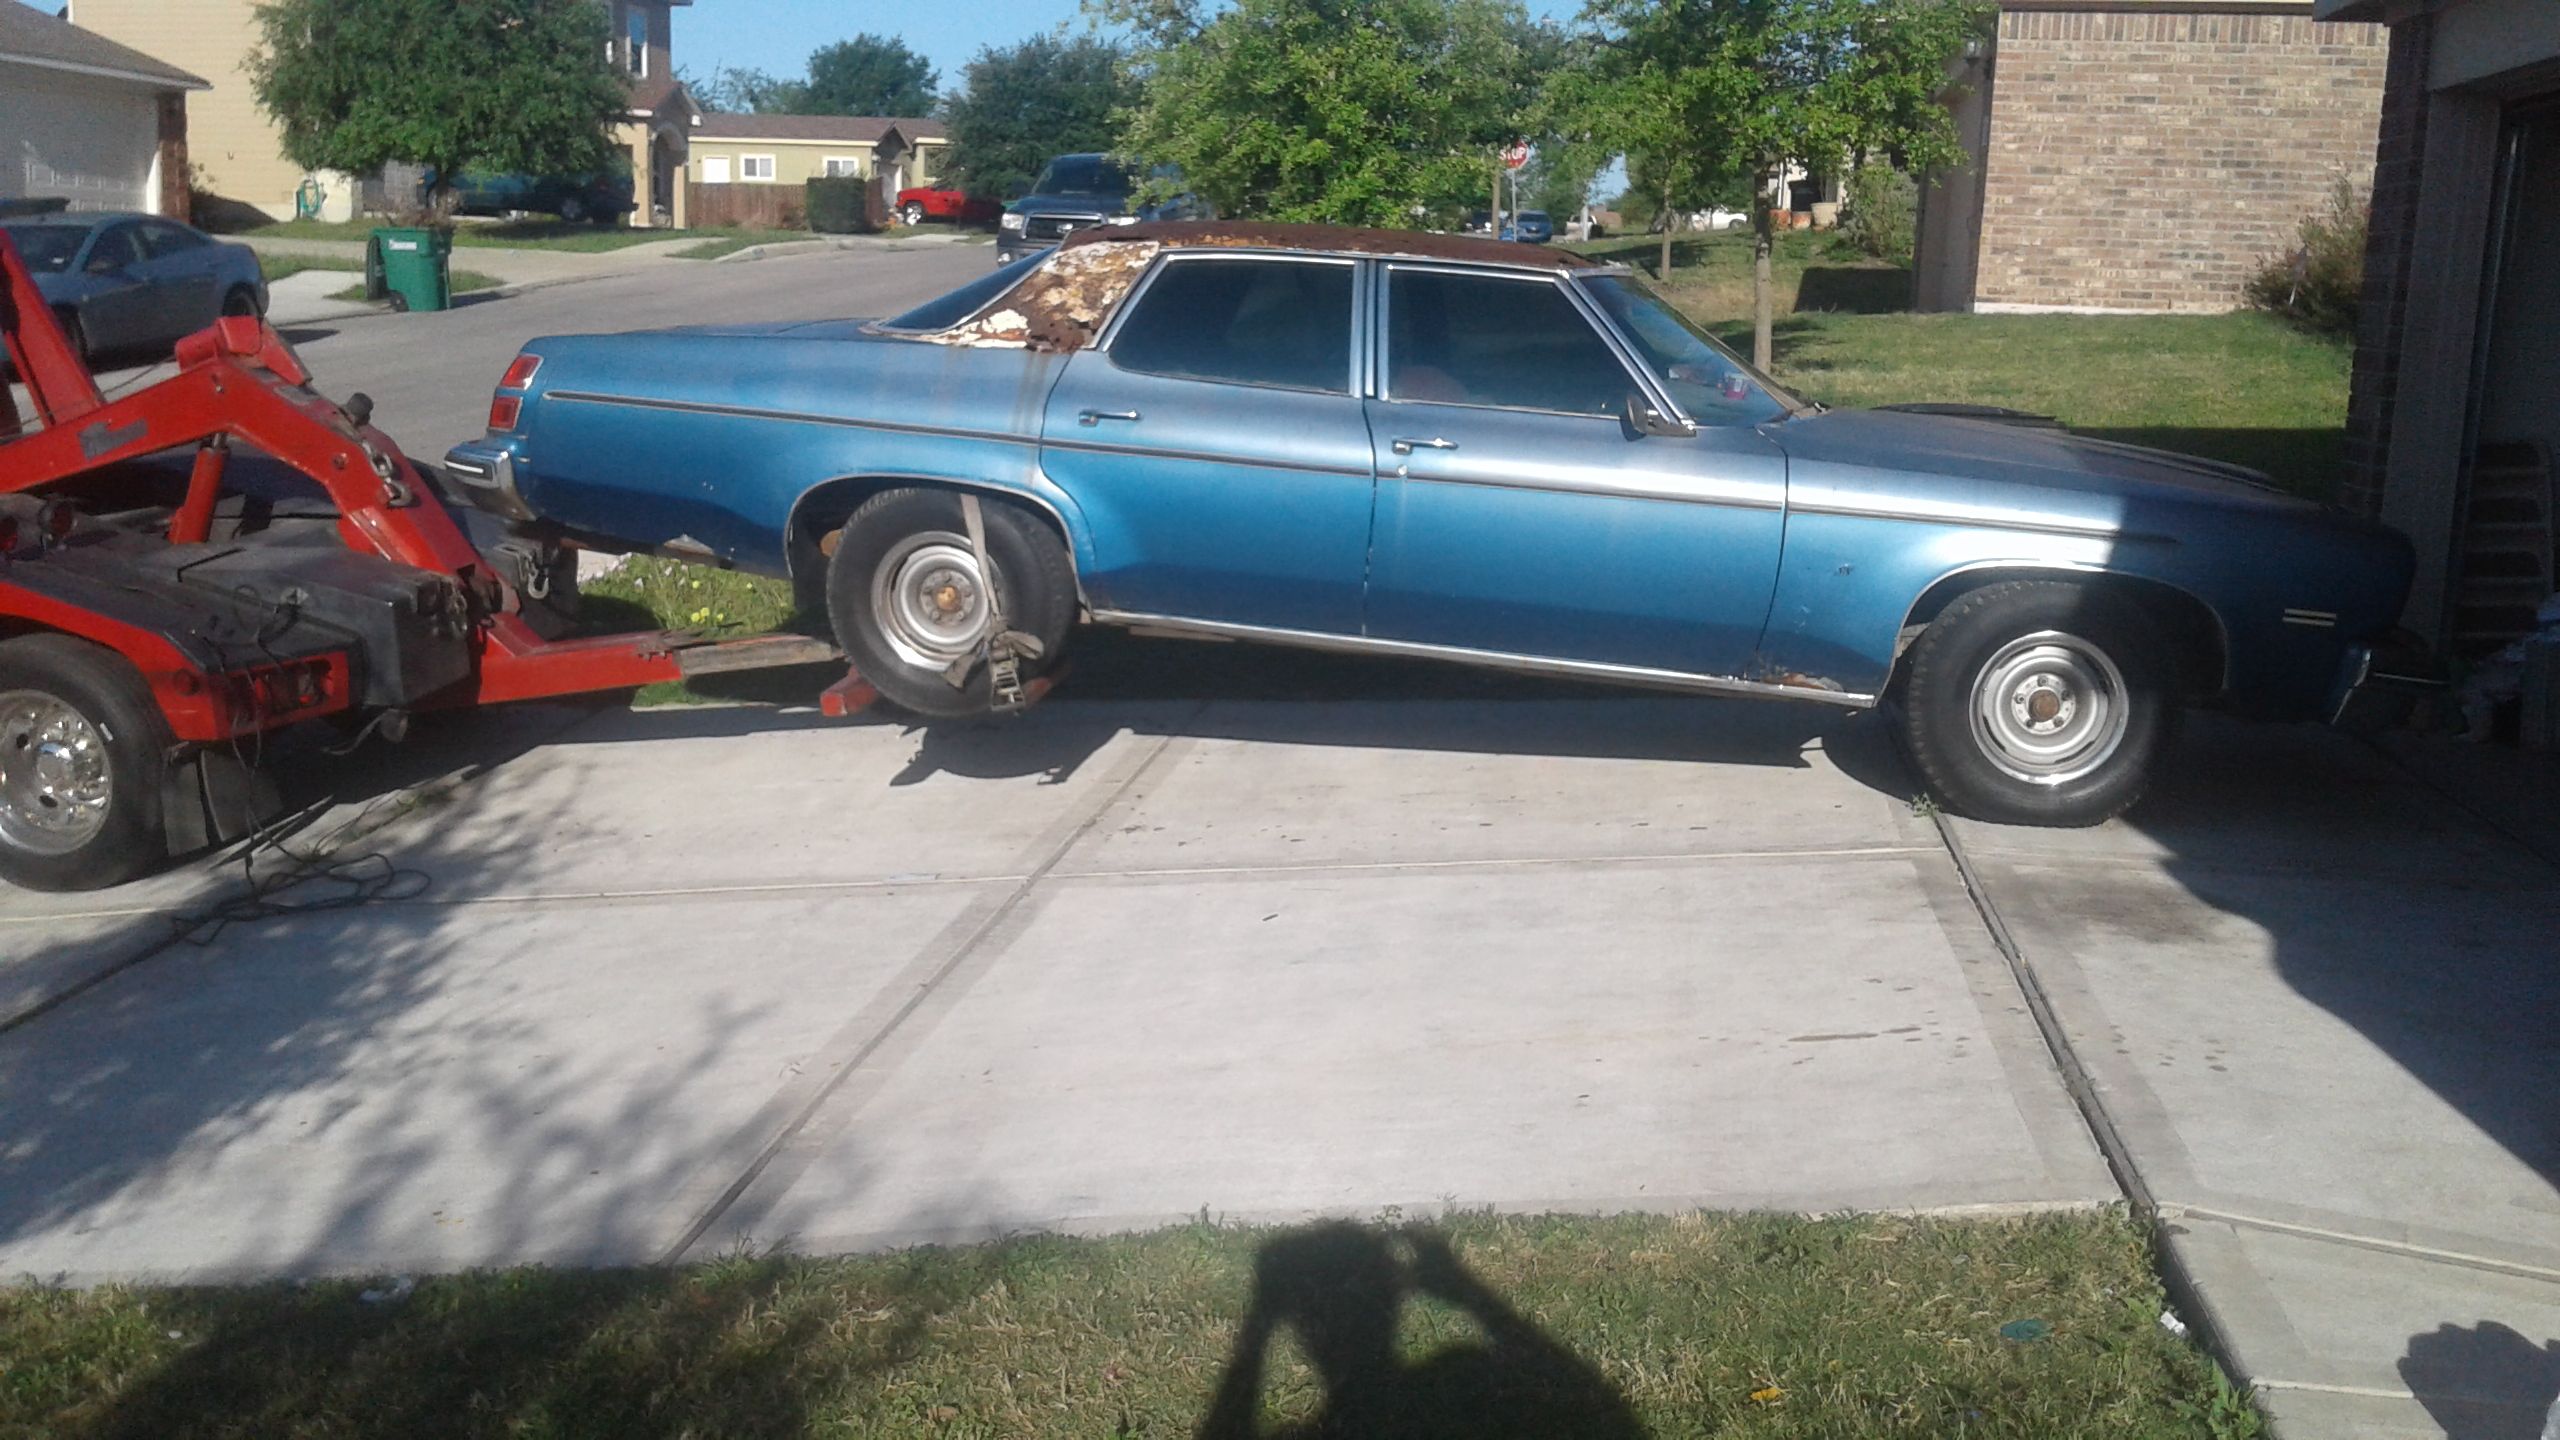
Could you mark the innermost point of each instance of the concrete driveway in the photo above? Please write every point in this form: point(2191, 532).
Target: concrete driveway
point(1209, 932)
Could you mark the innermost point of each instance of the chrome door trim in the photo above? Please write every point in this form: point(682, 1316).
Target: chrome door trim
point(794, 417)
point(1926, 514)
point(1581, 304)
point(1607, 492)
point(1169, 258)
point(1203, 457)
point(1636, 675)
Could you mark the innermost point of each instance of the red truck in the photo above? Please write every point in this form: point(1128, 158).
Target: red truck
point(956, 207)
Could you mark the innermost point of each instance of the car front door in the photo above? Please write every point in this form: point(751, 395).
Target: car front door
point(1520, 512)
point(119, 309)
point(1216, 447)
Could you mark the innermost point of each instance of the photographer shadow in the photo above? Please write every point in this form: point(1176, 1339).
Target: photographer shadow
point(1340, 1291)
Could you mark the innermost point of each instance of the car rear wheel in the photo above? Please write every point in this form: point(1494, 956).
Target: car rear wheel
point(572, 209)
point(83, 755)
point(241, 301)
point(2039, 703)
point(908, 600)
point(913, 212)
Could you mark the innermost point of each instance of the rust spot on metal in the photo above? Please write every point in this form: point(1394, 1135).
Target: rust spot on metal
point(1798, 680)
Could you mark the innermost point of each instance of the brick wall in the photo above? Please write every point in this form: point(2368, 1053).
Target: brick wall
point(2154, 161)
point(2397, 166)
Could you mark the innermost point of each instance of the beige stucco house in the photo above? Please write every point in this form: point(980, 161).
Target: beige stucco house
point(235, 147)
point(90, 121)
point(794, 149)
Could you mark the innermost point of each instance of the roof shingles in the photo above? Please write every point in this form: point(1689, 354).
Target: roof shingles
point(31, 37)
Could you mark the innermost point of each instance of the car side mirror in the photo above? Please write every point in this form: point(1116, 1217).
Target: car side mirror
point(1644, 418)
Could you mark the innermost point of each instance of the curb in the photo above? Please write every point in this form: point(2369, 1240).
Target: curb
point(495, 292)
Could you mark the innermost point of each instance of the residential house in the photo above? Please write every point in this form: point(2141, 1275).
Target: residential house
point(2143, 155)
point(2452, 426)
point(239, 156)
point(85, 119)
point(793, 149)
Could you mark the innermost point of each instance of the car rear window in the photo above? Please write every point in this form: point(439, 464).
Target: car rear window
point(966, 301)
point(48, 248)
point(1456, 339)
point(1285, 323)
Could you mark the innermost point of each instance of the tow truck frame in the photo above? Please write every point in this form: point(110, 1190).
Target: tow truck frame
point(233, 638)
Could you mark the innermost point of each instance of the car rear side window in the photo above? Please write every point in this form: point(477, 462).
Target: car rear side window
point(1457, 339)
point(1285, 323)
point(114, 250)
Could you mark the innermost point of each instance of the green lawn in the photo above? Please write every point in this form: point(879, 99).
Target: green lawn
point(516, 234)
point(1748, 1326)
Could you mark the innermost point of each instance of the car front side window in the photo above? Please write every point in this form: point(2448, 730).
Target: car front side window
point(114, 251)
point(1497, 342)
point(1282, 323)
point(165, 240)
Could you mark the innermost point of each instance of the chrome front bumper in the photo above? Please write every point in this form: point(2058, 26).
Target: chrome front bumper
point(2378, 684)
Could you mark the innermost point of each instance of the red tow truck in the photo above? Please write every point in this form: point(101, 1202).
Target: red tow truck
point(225, 553)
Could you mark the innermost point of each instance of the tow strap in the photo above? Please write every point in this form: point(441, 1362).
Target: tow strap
point(1003, 650)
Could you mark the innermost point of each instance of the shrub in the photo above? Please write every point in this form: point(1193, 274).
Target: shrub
point(1879, 212)
point(2318, 285)
point(840, 205)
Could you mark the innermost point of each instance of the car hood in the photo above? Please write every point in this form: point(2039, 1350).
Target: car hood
point(1097, 206)
point(1888, 450)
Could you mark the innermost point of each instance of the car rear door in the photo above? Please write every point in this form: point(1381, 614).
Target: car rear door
point(1216, 446)
point(1519, 512)
point(183, 270)
point(120, 308)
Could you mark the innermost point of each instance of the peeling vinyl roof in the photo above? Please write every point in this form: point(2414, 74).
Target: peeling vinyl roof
point(1333, 239)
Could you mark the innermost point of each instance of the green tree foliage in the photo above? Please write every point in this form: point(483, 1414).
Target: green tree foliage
point(737, 90)
point(1046, 96)
point(867, 75)
point(1696, 91)
point(508, 85)
point(1359, 112)
point(2320, 286)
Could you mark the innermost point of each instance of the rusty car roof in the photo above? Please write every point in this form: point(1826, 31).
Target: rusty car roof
point(1332, 239)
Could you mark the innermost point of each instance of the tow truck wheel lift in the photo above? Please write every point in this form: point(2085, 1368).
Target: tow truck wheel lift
point(155, 624)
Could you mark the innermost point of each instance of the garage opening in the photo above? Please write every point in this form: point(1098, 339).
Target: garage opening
point(2509, 552)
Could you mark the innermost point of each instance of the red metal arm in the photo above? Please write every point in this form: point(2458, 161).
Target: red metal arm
point(57, 380)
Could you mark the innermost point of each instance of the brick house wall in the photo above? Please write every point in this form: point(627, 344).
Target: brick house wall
point(2381, 317)
point(2150, 160)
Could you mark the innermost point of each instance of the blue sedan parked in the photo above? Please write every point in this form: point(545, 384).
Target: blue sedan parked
point(136, 283)
point(1448, 449)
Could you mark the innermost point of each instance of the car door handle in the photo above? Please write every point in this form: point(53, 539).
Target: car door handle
point(1407, 445)
point(1096, 417)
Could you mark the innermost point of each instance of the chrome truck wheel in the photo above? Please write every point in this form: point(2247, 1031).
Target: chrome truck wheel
point(84, 755)
point(55, 786)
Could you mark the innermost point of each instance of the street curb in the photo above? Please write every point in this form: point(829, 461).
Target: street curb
point(495, 292)
point(779, 248)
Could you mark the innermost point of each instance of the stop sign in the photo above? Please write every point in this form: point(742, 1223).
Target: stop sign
point(1514, 156)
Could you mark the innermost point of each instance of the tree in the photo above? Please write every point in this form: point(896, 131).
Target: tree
point(1695, 90)
point(867, 75)
point(736, 90)
point(1359, 112)
point(509, 85)
point(1046, 96)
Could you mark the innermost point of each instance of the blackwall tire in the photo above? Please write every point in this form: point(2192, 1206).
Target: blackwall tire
point(905, 599)
point(84, 756)
point(2039, 703)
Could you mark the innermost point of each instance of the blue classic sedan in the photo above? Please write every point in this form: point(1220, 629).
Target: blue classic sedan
point(136, 283)
point(1450, 449)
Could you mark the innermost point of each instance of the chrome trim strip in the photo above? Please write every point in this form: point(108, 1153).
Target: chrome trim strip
point(1926, 515)
point(1675, 497)
point(798, 417)
point(1907, 632)
point(1680, 680)
point(1203, 457)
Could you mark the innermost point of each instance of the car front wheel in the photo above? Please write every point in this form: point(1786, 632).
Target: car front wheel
point(913, 214)
point(2038, 703)
point(909, 601)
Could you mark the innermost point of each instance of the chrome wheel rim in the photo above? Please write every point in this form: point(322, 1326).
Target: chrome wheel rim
point(55, 785)
point(930, 600)
point(2049, 708)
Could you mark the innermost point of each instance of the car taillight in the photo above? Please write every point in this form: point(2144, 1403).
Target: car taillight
point(521, 373)
point(503, 413)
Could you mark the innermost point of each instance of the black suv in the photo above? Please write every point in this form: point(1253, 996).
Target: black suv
point(1075, 192)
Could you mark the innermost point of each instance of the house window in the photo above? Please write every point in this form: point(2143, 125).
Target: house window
point(715, 169)
point(755, 167)
point(840, 165)
point(635, 40)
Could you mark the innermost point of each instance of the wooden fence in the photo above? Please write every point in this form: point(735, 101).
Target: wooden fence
point(762, 207)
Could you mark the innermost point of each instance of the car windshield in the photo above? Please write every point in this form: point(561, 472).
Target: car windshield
point(1711, 383)
point(48, 248)
point(966, 301)
point(1534, 217)
point(1085, 175)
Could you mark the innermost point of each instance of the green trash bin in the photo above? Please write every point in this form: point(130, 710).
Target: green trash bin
point(413, 269)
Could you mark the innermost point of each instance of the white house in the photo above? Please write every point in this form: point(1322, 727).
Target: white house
point(88, 120)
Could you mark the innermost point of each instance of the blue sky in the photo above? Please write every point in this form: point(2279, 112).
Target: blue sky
point(777, 35)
